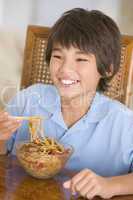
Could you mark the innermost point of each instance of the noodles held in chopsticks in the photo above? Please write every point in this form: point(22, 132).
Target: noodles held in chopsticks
point(35, 126)
point(46, 145)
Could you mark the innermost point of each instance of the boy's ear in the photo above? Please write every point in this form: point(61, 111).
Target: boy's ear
point(110, 72)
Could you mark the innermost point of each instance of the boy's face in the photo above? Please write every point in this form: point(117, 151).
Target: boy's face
point(73, 72)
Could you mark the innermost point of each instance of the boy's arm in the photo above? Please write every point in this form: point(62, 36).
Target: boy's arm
point(122, 185)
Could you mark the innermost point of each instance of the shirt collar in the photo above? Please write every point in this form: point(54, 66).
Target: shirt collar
point(99, 108)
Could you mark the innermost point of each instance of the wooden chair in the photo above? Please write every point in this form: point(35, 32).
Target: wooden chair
point(35, 69)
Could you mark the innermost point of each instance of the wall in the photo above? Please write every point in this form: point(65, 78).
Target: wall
point(16, 14)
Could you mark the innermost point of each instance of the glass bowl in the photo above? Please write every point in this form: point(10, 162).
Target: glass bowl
point(39, 164)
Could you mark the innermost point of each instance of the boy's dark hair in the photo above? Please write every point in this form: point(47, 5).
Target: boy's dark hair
point(90, 31)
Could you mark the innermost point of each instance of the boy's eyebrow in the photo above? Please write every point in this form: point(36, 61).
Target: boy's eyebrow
point(77, 52)
point(56, 49)
point(82, 52)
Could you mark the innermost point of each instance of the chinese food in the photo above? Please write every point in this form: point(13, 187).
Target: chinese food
point(43, 158)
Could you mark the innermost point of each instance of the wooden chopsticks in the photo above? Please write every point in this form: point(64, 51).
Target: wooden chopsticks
point(27, 117)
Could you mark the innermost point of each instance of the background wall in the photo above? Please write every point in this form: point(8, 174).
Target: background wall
point(16, 15)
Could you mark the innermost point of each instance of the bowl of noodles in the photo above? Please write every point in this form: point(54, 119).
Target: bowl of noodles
point(43, 158)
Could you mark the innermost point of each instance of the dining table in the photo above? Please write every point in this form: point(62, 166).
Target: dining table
point(16, 184)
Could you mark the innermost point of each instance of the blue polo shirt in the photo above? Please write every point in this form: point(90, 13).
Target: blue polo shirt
point(102, 138)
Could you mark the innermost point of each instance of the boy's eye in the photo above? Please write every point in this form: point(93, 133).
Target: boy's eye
point(82, 60)
point(57, 56)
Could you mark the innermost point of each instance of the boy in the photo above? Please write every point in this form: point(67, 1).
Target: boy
point(83, 53)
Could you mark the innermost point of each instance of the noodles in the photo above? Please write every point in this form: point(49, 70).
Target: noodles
point(35, 127)
point(47, 146)
point(43, 158)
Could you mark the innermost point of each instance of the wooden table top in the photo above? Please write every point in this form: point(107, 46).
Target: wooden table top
point(16, 184)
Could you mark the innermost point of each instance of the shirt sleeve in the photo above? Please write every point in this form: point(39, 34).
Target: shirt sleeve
point(127, 143)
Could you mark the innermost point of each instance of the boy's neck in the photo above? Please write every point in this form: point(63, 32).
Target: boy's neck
point(74, 104)
point(75, 109)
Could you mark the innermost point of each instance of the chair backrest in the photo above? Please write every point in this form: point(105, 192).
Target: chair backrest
point(35, 69)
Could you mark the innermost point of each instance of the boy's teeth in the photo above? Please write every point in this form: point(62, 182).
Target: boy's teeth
point(68, 81)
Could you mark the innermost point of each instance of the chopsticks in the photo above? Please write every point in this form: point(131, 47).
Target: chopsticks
point(27, 117)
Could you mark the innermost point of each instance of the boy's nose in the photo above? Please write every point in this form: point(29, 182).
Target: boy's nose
point(67, 66)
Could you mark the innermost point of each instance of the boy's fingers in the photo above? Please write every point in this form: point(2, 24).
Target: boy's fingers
point(67, 184)
point(3, 116)
point(6, 136)
point(10, 129)
point(7, 133)
point(7, 125)
point(3, 112)
point(15, 125)
point(77, 178)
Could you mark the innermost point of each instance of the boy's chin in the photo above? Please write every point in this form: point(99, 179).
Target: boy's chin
point(78, 95)
point(69, 96)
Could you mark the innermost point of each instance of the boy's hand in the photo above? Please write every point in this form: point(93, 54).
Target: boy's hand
point(8, 125)
point(89, 185)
